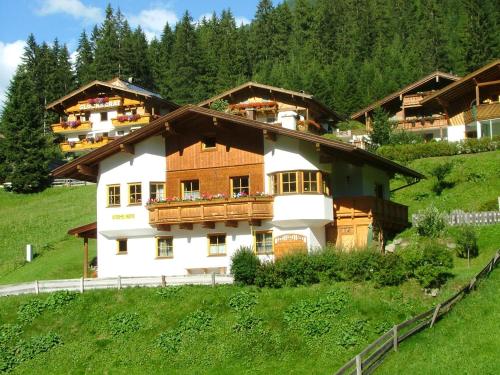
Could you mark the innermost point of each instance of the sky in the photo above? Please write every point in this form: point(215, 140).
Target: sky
point(65, 20)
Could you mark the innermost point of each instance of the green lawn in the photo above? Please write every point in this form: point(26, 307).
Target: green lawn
point(43, 220)
point(475, 179)
point(466, 341)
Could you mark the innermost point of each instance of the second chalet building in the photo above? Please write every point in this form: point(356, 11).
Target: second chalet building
point(443, 106)
point(181, 195)
point(98, 112)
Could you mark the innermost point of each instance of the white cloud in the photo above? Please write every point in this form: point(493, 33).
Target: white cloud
point(10, 57)
point(241, 21)
point(74, 8)
point(152, 21)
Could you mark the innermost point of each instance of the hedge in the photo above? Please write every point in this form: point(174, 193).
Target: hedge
point(409, 152)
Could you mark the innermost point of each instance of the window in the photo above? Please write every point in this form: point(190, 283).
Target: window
point(274, 184)
point(190, 189)
point(87, 116)
point(216, 244)
point(209, 143)
point(134, 193)
point(289, 182)
point(104, 116)
point(157, 190)
point(310, 181)
point(264, 242)
point(120, 133)
point(239, 186)
point(122, 245)
point(81, 137)
point(165, 247)
point(113, 195)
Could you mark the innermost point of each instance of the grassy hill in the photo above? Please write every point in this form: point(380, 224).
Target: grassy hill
point(43, 220)
point(474, 184)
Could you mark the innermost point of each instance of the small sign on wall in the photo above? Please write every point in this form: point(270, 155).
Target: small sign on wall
point(123, 216)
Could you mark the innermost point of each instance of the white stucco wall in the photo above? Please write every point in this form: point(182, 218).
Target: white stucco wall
point(456, 133)
point(302, 210)
point(99, 126)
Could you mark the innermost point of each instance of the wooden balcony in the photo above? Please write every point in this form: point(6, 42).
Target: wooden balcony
point(422, 123)
point(207, 212)
point(70, 126)
point(84, 145)
point(483, 112)
point(387, 213)
point(140, 120)
point(412, 100)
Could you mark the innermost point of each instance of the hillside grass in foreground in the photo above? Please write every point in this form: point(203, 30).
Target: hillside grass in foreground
point(465, 341)
point(43, 220)
point(475, 180)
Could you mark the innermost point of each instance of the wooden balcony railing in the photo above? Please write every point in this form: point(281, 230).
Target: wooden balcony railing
point(482, 112)
point(122, 120)
point(412, 100)
point(367, 206)
point(422, 123)
point(84, 145)
point(190, 212)
point(71, 126)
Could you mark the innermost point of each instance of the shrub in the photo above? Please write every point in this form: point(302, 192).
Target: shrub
point(327, 263)
point(390, 270)
point(242, 301)
point(244, 266)
point(431, 222)
point(197, 321)
point(430, 276)
point(267, 276)
point(30, 310)
point(441, 171)
point(359, 265)
point(296, 269)
point(124, 322)
point(169, 291)
point(57, 300)
point(467, 243)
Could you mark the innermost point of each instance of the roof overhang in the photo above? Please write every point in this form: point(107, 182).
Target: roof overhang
point(395, 95)
point(259, 88)
point(85, 231)
point(86, 167)
point(467, 84)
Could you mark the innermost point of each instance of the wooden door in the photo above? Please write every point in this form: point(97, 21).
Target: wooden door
point(289, 244)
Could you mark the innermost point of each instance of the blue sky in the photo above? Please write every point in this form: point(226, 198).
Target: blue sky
point(65, 20)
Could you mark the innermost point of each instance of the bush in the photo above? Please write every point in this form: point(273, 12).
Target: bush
point(430, 276)
point(467, 243)
point(242, 301)
point(244, 266)
point(359, 265)
point(431, 222)
point(267, 276)
point(441, 171)
point(327, 263)
point(391, 271)
point(296, 269)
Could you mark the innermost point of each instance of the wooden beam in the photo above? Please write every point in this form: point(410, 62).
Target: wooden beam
point(232, 223)
point(127, 148)
point(269, 135)
point(86, 170)
point(208, 225)
point(255, 222)
point(164, 227)
point(497, 82)
point(187, 226)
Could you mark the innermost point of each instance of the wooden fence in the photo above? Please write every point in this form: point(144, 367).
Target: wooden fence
point(370, 358)
point(81, 285)
point(469, 218)
point(69, 182)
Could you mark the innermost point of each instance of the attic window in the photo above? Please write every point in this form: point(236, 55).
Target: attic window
point(209, 143)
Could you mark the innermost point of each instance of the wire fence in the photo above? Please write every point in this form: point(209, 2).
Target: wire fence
point(81, 285)
point(370, 358)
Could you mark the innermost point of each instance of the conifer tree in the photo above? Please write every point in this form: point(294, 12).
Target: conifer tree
point(107, 46)
point(84, 65)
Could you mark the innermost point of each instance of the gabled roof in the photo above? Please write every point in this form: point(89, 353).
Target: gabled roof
point(76, 168)
point(404, 90)
point(488, 72)
point(115, 84)
point(277, 90)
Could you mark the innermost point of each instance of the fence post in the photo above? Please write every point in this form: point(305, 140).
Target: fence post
point(213, 279)
point(37, 287)
point(82, 286)
point(395, 337)
point(163, 281)
point(359, 370)
point(119, 282)
point(435, 315)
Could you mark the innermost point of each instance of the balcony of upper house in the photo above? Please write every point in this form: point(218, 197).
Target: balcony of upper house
point(71, 126)
point(85, 144)
point(123, 120)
